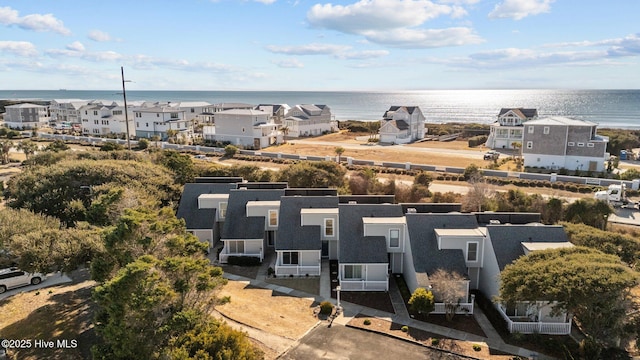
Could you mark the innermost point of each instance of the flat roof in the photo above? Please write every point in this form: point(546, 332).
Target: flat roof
point(213, 196)
point(263, 203)
point(384, 220)
point(319, 211)
point(533, 246)
point(458, 232)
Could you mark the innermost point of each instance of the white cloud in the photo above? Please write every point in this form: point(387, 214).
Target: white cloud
point(309, 49)
point(266, 2)
point(35, 22)
point(366, 15)
point(99, 36)
point(362, 55)
point(75, 46)
point(396, 23)
point(519, 9)
point(424, 38)
point(625, 46)
point(289, 63)
point(22, 48)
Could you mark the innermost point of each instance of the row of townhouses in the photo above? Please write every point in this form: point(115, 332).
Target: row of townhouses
point(372, 237)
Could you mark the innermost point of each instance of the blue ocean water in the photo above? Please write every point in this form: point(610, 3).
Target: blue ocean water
point(608, 108)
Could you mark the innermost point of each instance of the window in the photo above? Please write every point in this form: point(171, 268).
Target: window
point(530, 129)
point(571, 143)
point(95, 122)
point(545, 130)
point(394, 238)
point(328, 227)
point(235, 247)
point(273, 217)
point(472, 251)
point(174, 115)
point(117, 112)
point(223, 209)
point(157, 115)
point(289, 258)
point(529, 144)
point(193, 110)
point(137, 124)
point(95, 112)
point(86, 112)
point(352, 272)
point(591, 145)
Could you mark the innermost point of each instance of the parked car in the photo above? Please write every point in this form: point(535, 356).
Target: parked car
point(13, 277)
point(491, 155)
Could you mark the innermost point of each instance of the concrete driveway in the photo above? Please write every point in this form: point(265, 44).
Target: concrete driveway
point(51, 280)
point(340, 342)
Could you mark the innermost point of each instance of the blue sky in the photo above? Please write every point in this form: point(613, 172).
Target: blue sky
point(319, 45)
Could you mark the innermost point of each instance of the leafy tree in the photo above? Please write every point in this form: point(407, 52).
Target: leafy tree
point(143, 144)
point(339, 151)
point(423, 178)
point(230, 151)
point(450, 288)
point(57, 145)
point(585, 282)
point(5, 147)
point(313, 174)
point(478, 196)
point(472, 172)
point(212, 340)
point(624, 246)
point(61, 190)
point(56, 249)
point(590, 212)
point(553, 211)
point(422, 301)
point(247, 172)
point(172, 134)
point(181, 165)
point(28, 147)
point(111, 146)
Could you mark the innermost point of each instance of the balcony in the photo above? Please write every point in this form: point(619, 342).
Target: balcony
point(364, 285)
point(297, 270)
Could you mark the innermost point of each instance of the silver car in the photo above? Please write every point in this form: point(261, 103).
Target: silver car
point(13, 278)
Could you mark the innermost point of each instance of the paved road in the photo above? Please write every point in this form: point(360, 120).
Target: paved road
point(51, 280)
point(340, 342)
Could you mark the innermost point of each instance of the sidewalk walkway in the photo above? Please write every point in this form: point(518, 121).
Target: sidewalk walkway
point(350, 310)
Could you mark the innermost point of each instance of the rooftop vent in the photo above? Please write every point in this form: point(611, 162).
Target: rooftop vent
point(412, 211)
point(494, 222)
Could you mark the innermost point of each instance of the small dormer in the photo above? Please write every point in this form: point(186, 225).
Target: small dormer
point(392, 228)
point(528, 247)
point(268, 209)
point(326, 218)
point(470, 241)
point(214, 201)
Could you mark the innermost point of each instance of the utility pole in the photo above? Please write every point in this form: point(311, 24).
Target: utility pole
point(126, 110)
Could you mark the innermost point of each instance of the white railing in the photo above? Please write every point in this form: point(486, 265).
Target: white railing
point(536, 327)
point(363, 285)
point(462, 308)
point(225, 257)
point(297, 270)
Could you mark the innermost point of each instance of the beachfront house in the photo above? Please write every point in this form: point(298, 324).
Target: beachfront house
point(193, 110)
point(504, 244)
point(103, 119)
point(401, 125)
point(278, 111)
point(66, 110)
point(208, 115)
point(564, 143)
point(26, 116)
point(508, 129)
point(308, 120)
point(247, 128)
point(158, 120)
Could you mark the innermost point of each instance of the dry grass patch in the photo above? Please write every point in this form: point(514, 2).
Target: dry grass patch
point(51, 314)
point(264, 309)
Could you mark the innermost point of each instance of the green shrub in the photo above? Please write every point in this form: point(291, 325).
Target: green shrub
point(143, 144)
point(405, 328)
point(477, 347)
point(422, 301)
point(243, 260)
point(230, 150)
point(367, 322)
point(435, 342)
point(326, 308)
point(477, 140)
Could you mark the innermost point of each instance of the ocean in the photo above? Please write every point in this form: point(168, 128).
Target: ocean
point(608, 108)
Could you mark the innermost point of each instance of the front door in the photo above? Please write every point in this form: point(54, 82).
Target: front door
point(325, 249)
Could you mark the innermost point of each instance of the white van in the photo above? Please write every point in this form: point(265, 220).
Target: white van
point(13, 278)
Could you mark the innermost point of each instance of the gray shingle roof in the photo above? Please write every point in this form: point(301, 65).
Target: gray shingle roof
point(237, 225)
point(291, 235)
point(355, 248)
point(507, 239)
point(432, 207)
point(188, 208)
point(526, 113)
point(507, 217)
point(424, 244)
